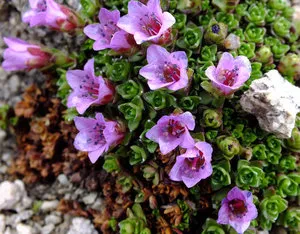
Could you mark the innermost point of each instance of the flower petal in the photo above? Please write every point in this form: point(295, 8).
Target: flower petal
point(188, 119)
point(166, 145)
point(119, 41)
point(240, 227)
point(89, 68)
point(223, 215)
point(94, 155)
point(157, 54)
point(236, 193)
point(187, 140)
point(106, 16)
point(175, 173)
point(226, 62)
point(74, 78)
point(92, 31)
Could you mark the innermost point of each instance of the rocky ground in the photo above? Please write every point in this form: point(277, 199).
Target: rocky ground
point(32, 209)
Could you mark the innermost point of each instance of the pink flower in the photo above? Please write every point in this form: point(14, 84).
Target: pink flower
point(230, 74)
point(194, 165)
point(21, 55)
point(97, 136)
point(147, 23)
point(237, 210)
point(88, 89)
point(107, 34)
point(172, 131)
point(165, 69)
point(51, 14)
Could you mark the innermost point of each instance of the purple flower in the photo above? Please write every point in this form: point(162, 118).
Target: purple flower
point(97, 136)
point(194, 165)
point(237, 210)
point(88, 89)
point(165, 69)
point(37, 14)
point(147, 23)
point(107, 34)
point(172, 131)
point(230, 74)
point(51, 14)
point(21, 55)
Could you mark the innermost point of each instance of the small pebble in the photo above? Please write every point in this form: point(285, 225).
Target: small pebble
point(49, 205)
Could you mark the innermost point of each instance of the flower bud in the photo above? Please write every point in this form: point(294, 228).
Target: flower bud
point(232, 42)
point(264, 55)
point(212, 118)
point(290, 66)
point(216, 32)
point(229, 146)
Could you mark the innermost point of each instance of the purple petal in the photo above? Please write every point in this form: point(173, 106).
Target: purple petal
point(154, 5)
point(175, 173)
point(81, 103)
point(157, 54)
point(89, 68)
point(211, 73)
point(53, 13)
point(136, 8)
point(223, 215)
point(187, 140)
point(179, 58)
point(190, 181)
point(127, 25)
point(251, 212)
point(101, 44)
point(17, 44)
point(206, 150)
point(167, 145)
point(188, 119)
point(100, 118)
point(167, 22)
point(34, 3)
point(240, 227)
point(224, 88)
point(92, 31)
point(154, 133)
point(181, 83)
point(236, 193)
point(82, 123)
point(119, 41)
point(74, 78)
point(94, 155)
point(106, 16)
point(243, 76)
point(226, 62)
point(14, 60)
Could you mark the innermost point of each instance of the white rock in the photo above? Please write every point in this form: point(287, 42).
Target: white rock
point(9, 231)
point(53, 219)
point(49, 205)
point(2, 223)
point(275, 102)
point(98, 204)
point(48, 229)
point(24, 229)
point(11, 194)
point(82, 226)
point(19, 217)
point(63, 179)
point(90, 198)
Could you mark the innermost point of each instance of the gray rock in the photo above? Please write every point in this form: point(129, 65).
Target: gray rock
point(98, 204)
point(82, 226)
point(19, 217)
point(63, 179)
point(24, 229)
point(2, 223)
point(52, 219)
point(14, 83)
point(90, 198)
point(49, 205)
point(275, 102)
point(48, 229)
point(11, 194)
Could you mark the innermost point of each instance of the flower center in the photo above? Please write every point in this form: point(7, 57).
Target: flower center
point(196, 163)
point(215, 28)
point(228, 77)
point(175, 128)
point(99, 136)
point(108, 30)
point(151, 24)
point(89, 87)
point(171, 72)
point(237, 207)
point(41, 6)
